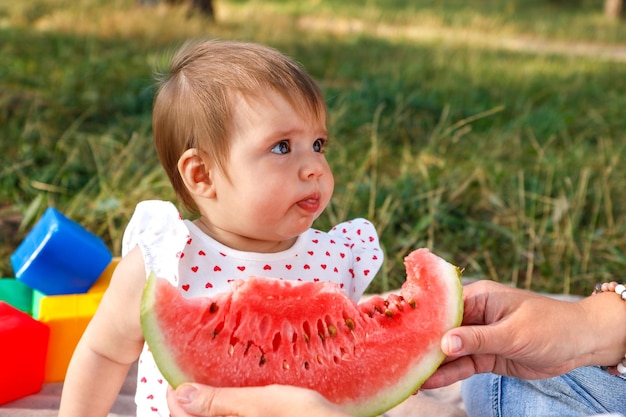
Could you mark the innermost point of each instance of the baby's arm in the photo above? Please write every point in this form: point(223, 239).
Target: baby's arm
point(110, 344)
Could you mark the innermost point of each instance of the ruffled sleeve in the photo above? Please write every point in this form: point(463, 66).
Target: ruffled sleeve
point(367, 256)
point(160, 232)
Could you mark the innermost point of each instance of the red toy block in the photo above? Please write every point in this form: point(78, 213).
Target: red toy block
point(23, 350)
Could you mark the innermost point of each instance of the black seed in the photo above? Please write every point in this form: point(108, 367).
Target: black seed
point(214, 307)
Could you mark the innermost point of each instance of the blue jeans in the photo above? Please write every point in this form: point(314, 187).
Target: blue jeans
point(582, 392)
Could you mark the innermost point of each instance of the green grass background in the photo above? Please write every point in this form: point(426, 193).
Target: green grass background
point(468, 127)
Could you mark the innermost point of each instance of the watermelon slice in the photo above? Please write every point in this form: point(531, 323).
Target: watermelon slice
point(365, 357)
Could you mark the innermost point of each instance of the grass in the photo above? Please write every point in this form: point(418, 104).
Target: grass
point(508, 163)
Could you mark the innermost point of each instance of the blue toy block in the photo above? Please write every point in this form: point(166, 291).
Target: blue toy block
point(59, 256)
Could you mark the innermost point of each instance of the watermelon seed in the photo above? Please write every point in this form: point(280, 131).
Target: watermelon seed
point(399, 306)
point(350, 323)
point(336, 359)
point(276, 341)
point(389, 313)
point(378, 309)
point(332, 330)
point(306, 366)
point(262, 360)
point(231, 350)
point(285, 365)
point(307, 331)
point(218, 329)
point(320, 330)
point(412, 303)
point(214, 307)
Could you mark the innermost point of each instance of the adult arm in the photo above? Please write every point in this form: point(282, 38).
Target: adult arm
point(110, 344)
point(518, 333)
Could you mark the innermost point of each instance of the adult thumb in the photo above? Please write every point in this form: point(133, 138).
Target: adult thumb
point(468, 340)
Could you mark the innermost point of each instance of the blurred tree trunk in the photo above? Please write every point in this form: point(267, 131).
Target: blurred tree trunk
point(613, 9)
point(203, 6)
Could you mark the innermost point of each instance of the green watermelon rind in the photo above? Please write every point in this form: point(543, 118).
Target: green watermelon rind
point(151, 330)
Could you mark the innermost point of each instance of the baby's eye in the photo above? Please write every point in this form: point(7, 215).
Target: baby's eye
point(281, 147)
point(319, 145)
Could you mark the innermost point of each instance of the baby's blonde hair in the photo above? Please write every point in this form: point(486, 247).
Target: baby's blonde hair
point(194, 103)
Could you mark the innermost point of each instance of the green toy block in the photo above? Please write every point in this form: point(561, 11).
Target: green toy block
point(16, 294)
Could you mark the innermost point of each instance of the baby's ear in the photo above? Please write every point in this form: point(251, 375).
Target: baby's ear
point(195, 171)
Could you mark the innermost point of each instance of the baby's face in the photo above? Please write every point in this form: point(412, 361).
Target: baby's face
point(280, 181)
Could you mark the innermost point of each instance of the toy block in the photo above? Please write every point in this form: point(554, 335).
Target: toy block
point(23, 351)
point(16, 294)
point(67, 316)
point(102, 283)
point(59, 256)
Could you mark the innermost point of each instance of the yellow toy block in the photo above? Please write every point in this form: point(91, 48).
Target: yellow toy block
point(67, 316)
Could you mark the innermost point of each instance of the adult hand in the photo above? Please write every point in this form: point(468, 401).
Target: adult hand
point(269, 401)
point(518, 333)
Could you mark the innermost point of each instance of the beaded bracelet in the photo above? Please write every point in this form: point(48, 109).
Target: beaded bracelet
point(619, 289)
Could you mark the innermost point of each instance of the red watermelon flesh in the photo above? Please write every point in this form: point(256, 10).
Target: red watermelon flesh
point(366, 357)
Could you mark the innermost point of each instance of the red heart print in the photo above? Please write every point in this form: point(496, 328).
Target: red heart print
point(306, 266)
point(267, 267)
point(310, 252)
point(150, 397)
point(323, 266)
point(144, 380)
point(288, 266)
point(208, 285)
point(186, 287)
point(366, 272)
point(315, 241)
point(202, 253)
point(241, 268)
point(194, 268)
point(189, 241)
point(216, 268)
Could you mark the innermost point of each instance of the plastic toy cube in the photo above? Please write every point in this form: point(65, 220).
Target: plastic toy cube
point(23, 347)
point(16, 294)
point(68, 316)
point(59, 256)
